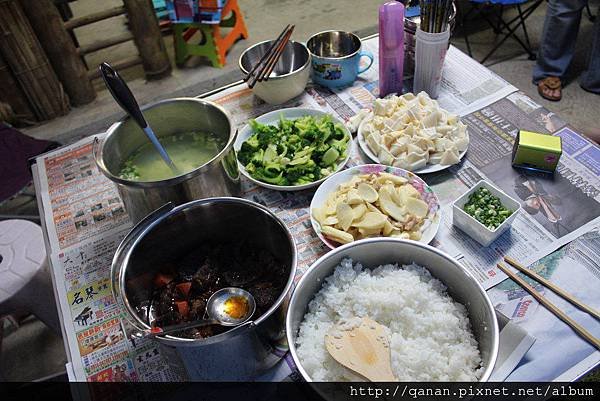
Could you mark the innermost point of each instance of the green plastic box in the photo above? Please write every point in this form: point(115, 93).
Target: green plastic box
point(536, 151)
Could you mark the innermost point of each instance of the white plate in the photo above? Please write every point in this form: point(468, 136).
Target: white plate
point(427, 195)
point(272, 118)
point(429, 168)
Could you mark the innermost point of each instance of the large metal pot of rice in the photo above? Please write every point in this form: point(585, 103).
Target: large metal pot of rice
point(166, 239)
point(462, 288)
point(219, 176)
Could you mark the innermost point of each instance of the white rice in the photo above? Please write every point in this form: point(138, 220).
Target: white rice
point(431, 338)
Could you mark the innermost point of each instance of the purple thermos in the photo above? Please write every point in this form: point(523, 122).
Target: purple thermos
point(391, 47)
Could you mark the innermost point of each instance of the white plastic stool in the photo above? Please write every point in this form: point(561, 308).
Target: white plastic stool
point(25, 282)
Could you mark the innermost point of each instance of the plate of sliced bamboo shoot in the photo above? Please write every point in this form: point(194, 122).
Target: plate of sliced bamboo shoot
point(374, 200)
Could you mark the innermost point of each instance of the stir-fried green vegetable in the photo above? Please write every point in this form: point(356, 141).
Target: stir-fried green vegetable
point(486, 208)
point(294, 152)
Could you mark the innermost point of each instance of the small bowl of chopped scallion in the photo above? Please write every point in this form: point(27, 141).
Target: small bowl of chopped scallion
point(484, 212)
point(292, 149)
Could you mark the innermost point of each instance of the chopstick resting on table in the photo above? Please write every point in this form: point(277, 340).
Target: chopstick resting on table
point(551, 307)
point(264, 67)
point(556, 289)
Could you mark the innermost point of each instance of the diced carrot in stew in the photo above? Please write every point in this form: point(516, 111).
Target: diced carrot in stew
point(183, 307)
point(184, 289)
point(160, 280)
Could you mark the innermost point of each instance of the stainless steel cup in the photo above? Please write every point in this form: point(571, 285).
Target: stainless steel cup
point(217, 177)
point(242, 353)
point(336, 58)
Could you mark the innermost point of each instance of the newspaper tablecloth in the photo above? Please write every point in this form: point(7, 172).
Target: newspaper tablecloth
point(84, 219)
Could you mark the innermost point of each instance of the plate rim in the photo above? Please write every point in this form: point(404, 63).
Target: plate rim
point(330, 244)
point(288, 188)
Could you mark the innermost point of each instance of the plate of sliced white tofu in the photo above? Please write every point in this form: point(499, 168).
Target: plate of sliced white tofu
point(413, 133)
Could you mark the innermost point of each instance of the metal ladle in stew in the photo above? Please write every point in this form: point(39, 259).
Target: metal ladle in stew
point(229, 306)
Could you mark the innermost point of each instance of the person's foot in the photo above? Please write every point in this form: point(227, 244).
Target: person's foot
point(550, 88)
point(593, 133)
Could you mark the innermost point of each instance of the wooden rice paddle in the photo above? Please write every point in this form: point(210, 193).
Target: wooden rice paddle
point(364, 349)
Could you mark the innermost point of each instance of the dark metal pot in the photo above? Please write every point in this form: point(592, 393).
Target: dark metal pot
point(217, 177)
point(242, 353)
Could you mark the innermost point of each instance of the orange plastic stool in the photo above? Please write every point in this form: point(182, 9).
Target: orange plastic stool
point(214, 45)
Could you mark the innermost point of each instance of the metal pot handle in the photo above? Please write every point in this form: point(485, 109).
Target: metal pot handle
point(96, 152)
point(127, 243)
point(96, 146)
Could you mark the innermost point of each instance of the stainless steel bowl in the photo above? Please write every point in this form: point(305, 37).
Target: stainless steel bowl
point(243, 352)
point(462, 287)
point(289, 77)
point(217, 177)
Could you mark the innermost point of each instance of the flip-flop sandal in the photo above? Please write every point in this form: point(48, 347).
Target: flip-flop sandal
point(550, 83)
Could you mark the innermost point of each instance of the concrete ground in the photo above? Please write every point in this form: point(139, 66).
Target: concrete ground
point(265, 19)
point(30, 352)
point(44, 354)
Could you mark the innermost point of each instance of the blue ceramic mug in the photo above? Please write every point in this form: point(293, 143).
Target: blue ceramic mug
point(335, 58)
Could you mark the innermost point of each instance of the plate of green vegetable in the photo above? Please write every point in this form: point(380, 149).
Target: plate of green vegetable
point(292, 149)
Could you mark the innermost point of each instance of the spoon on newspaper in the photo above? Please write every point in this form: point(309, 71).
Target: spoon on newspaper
point(363, 347)
point(123, 96)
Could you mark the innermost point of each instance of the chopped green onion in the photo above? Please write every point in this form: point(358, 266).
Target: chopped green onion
point(486, 208)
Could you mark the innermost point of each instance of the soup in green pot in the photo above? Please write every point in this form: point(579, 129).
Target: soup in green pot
point(188, 151)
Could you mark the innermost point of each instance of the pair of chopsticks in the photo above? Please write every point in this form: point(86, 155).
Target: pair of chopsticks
point(549, 305)
point(434, 15)
point(261, 70)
